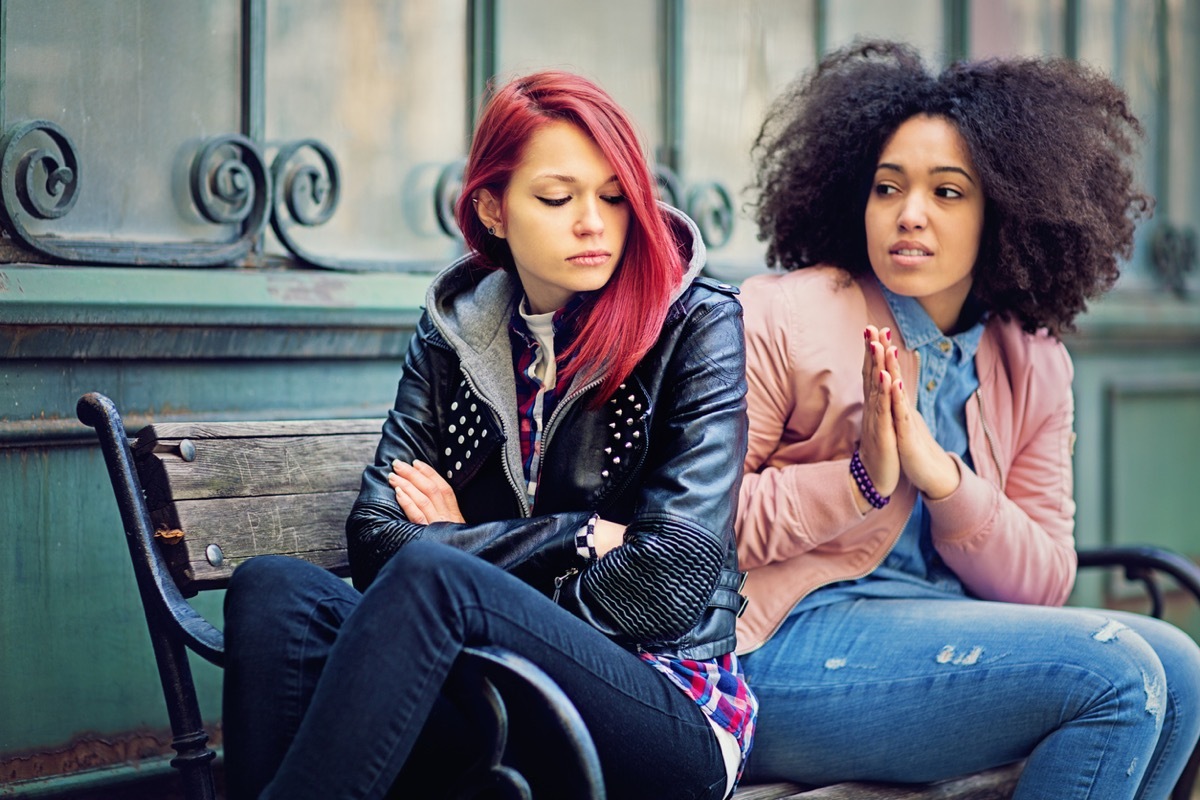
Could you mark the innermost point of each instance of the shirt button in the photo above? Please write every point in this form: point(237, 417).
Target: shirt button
point(931, 385)
point(944, 345)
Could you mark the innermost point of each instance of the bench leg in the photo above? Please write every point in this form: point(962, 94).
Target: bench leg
point(194, 759)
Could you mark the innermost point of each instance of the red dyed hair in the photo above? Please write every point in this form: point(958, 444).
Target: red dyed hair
point(621, 322)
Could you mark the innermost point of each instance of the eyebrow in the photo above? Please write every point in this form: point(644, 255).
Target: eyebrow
point(934, 171)
point(571, 178)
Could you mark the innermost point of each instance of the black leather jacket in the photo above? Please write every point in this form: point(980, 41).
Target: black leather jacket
point(664, 457)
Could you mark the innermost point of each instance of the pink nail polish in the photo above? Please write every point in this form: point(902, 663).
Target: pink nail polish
point(900, 385)
point(866, 334)
point(888, 334)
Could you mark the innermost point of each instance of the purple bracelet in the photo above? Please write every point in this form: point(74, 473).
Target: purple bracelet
point(864, 482)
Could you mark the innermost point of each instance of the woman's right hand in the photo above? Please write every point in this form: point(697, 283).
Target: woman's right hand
point(424, 495)
point(877, 448)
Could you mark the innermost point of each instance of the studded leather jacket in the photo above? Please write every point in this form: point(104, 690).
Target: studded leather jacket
point(663, 457)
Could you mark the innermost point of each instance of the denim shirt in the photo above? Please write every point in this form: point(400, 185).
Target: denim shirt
point(946, 382)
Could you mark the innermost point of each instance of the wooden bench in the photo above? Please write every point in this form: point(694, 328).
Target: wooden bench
point(197, 499)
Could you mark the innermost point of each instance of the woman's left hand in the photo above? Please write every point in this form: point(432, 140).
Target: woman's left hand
point(423, 494)
point(928, 467)
point(608, 536)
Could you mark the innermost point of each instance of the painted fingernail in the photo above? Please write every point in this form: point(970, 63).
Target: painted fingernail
point(866, 333)
point(887, 332)
point(900, 385)
point(882, 375)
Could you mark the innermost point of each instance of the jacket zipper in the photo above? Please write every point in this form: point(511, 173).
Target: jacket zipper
point(567, 402)
point(526, 510)
point(560, 580)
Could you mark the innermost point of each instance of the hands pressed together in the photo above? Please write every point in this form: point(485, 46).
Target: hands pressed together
point(425, 497)
point(895, 440)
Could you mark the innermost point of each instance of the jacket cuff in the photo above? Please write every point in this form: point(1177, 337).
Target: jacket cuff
point(959, 515)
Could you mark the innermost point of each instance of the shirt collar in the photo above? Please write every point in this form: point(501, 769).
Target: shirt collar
point(563, 319)
point(918, 329)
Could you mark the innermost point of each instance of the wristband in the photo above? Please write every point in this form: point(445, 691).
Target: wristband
point(864, 482)
point(585, 539)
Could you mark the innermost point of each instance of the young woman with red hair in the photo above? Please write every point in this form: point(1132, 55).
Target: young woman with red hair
point(558, 478)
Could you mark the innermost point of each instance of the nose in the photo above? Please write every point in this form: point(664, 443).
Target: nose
point(590, 221)
point(912, 213)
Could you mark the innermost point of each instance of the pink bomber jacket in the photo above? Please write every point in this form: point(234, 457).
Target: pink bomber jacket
point(1007, 530)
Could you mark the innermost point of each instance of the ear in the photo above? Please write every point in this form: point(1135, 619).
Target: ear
point(489, 209)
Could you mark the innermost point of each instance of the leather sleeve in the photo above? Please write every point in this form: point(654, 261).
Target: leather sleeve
point(659, 583)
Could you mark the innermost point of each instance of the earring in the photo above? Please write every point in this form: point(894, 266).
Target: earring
point(492, 230)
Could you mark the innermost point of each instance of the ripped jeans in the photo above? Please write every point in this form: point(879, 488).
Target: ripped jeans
point(1102, 704)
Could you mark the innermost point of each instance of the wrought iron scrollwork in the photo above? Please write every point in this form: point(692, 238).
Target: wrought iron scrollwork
point(1173, 255)
point(669, 185)
point(229, 182)
point(445, 195)
point(709, 204)
point(305, 194)
point(40, 180)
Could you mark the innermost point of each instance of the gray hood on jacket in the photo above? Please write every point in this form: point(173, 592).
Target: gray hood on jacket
point(471, 307)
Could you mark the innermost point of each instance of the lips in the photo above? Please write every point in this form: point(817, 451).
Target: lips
point(910, 249)
point(591, 258)
point(909, 255)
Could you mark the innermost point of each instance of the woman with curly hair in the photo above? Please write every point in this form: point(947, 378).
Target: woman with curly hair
point(906, 515)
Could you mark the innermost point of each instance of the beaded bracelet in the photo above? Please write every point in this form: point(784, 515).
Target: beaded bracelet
point(864, 482)
point(585, 539)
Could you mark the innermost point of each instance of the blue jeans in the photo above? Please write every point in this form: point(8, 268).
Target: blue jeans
point(329, 691)
point(1102, 704)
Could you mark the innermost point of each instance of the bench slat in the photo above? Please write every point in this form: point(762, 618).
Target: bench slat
point(255, 466)
point(147, 436)
point(309, 526)
point(994, 784)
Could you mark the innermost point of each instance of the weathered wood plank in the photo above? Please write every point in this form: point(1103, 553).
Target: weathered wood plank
point(256, 466)
point(995, 784)
point(308, 526)
point(150, 435)
point(769, 791)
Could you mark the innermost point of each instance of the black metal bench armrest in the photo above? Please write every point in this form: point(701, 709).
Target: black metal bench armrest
point(153, 577)
point(1143, 563)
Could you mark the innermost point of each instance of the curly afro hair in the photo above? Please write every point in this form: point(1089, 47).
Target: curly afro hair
point(1051, 140)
